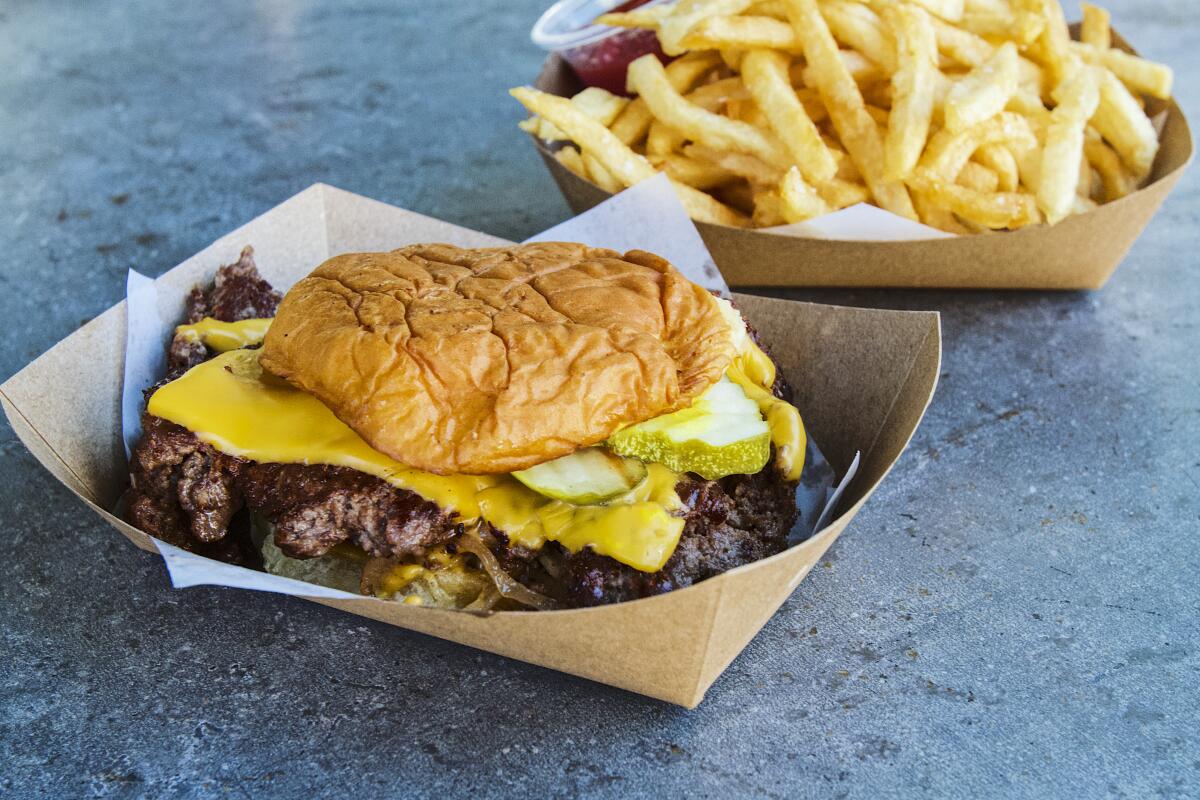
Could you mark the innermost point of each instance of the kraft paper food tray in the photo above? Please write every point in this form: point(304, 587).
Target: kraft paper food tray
point(1081, 252)
point(863, 379)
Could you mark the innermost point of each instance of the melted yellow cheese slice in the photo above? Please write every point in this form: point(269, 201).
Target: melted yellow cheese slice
point(225, 336)
point(755, 373)
point(230, 403)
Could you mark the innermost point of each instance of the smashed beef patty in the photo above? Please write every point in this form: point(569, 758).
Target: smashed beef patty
point(239, 292)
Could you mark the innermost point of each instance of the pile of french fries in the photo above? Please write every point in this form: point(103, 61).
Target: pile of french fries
point(966, 115)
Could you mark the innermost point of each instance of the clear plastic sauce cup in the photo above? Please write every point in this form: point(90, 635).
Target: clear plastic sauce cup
point(598, 54)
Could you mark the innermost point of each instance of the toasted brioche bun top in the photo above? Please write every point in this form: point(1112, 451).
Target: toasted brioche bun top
point(493, 360)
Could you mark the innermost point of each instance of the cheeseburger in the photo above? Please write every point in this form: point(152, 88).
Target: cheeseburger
point(529, 427)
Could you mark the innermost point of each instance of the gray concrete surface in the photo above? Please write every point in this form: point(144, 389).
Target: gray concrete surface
point(1014, 614)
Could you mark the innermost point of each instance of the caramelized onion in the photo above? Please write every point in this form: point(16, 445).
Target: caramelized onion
point(507, 585)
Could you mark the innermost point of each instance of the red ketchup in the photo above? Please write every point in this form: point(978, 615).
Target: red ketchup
point(602, 54)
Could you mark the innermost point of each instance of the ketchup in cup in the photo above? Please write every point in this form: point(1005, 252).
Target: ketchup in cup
point(598, 54)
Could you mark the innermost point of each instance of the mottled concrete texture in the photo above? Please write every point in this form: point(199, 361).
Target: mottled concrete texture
point(1014, 613)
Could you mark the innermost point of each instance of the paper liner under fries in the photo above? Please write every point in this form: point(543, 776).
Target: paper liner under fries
point(863, 379)
point(866, 246)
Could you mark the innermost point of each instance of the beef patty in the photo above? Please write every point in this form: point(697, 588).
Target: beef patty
point(189, 494)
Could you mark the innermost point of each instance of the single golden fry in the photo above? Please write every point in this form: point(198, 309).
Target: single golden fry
point(1123, 124)
point(646, 75)
point(599, 175)
point(1096, 29)
point(570, 158)
point(949, 10)
point(862, 69)
point(959, 45)
point(706, 208)
point(765, 73)
point(859, 27)
point(838, 193)
point(1140, 75)
point(936, 216)
point(768, 208)
point(686, 14)
point(800, 201)
point(633, 123)
point(741, 164)
point(1054, 43)
point(663, 139)
point(997, 211)
point(1077, 99)
point(637, 18)
point(913, 87)
point(978, 177)
point(711, 96)
point(984, 92)
point(1117, 182)
point(716, 33)
point(693, 171)
point(949, 151)
point(857, 130)
point(999, 159)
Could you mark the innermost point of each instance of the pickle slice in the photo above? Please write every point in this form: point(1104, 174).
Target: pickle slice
point(721, 433)
point(585, 477)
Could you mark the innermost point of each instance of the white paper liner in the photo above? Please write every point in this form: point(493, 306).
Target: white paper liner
point(861, 222)
point(647, 216)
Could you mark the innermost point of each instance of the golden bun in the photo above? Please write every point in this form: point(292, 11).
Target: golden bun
point(475, 361)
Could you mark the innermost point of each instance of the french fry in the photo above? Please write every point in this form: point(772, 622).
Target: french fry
point(949, 10)
point(686, 14)
point(741, 164)
point(1117, 182)
point(646, 75)
point(1054, 43)
point(768, 8)
point(858, 132)
point(978, 177)
point(949, 151)
point(1077, 99)
point(1084, 172)
point(637, 18)
point(599, 175)
point(706, 208)
point(1095, 30)
point(959, 45)
point(1123, 124)
point(862, 69)
point(1140, 75)
point(615, 156)
point(997, 211)
point(988, 17)
point(912, 89)
point(694, 172)
point(935, 216)
point(633, 123)
point(663, 139)
point(716, 33)
point(768, 208)
point(1031, 20)
point(984, 92)
point(838, 193)
point(799, 200)
point(570, 158)
point(711, 96)
point(765, 73)
point(856, 25)
point(1000, 160)
point(625, 165)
